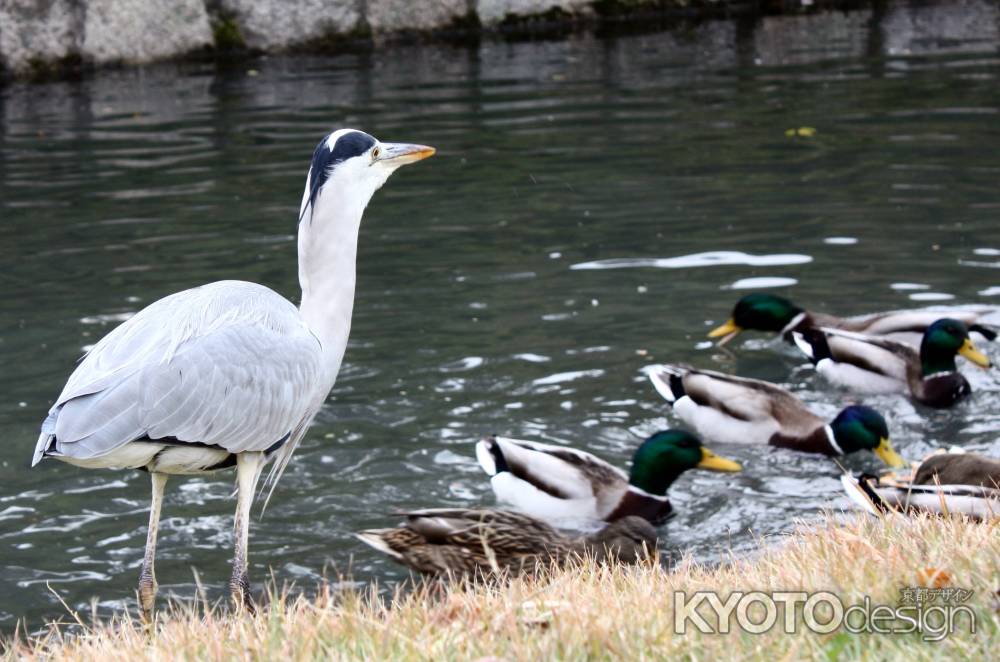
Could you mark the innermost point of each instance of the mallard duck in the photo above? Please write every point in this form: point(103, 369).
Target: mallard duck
point(459, 541)
point(769, 312)
point(558, 483)
point(944, 483)
point(872, 364)
point(737, 410)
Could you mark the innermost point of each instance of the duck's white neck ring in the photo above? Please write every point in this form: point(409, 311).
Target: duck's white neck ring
point(639, 490)
point(833, 441)
point(794, 323)
point(935, 375)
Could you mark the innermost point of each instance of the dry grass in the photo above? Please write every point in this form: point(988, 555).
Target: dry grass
point(590, 612)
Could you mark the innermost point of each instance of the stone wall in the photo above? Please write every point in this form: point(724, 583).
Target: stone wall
point(36, 33)
point(39, 35)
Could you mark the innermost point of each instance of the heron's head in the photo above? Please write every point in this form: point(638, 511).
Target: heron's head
point(348, 166)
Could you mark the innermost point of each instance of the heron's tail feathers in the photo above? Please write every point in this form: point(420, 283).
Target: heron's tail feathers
point(281, 458)
point(46, 438)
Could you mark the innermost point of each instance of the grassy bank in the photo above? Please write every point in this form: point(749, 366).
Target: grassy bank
point(611, 613)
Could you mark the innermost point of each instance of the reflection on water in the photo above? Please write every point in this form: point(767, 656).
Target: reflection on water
point(486, 298)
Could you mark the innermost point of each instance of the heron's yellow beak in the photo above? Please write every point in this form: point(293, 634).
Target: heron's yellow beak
point(970, 352)
point(713, 462)
point(885, 451)
point(398, 154)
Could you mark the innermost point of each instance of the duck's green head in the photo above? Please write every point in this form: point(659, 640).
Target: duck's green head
point(760, 312)
point(859, 428)
point(942, 341)
point(662, 458)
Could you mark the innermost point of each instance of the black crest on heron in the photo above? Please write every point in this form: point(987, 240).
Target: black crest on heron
point(326, 157)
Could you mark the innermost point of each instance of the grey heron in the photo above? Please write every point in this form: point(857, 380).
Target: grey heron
point(229, 373)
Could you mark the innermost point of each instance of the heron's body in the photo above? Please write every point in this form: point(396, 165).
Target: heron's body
point(190, 381)
point(229, 373)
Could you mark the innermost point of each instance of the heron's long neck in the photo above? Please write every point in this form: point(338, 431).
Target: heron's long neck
point(328, 248)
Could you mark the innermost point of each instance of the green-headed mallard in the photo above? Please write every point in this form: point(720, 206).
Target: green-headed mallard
point(559, 483)
point(737, 410)
point(872, 364)
point(944, 483)
point(769, 312)
point(459, 541)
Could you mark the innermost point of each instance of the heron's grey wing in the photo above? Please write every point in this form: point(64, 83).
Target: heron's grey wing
point(229, 364)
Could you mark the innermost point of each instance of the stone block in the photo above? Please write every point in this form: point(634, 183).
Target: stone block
point(40, 31)
point(278, 24)
point(390, 15)
point(138, 31)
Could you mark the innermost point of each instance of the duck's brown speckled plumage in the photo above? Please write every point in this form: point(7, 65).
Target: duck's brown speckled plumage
point(482, 541)
point(959, 469)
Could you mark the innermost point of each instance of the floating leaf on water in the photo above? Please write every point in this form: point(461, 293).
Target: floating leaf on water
point(801, 132)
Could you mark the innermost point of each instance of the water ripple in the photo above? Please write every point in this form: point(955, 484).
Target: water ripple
point(695, 260)
point(665, 151)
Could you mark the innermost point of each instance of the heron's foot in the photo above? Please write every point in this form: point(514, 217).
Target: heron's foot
point(239, 588)
point(147, 595)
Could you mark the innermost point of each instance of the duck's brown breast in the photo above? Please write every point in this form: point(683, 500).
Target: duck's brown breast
point(647, 507)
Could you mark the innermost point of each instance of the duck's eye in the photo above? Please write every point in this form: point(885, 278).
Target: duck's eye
point(377, 152)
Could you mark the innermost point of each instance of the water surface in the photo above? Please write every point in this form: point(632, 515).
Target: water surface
point(597, 204)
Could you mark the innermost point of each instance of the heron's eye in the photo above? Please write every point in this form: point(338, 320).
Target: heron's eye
point(377, 152)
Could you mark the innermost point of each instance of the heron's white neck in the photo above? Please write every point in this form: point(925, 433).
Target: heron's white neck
point(328, 248)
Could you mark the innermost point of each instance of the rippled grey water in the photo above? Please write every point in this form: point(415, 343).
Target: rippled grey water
point(597, 203)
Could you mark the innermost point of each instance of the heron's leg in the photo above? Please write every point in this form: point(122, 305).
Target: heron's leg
point(147, 578)
point(248, 466)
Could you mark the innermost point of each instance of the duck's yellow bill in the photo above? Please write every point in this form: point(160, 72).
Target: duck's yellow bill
point(969, 351)
point(729, 330)
point(885, 451)
point(713, 462)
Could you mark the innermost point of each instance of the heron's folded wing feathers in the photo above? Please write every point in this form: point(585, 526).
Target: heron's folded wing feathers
point(229, 364)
